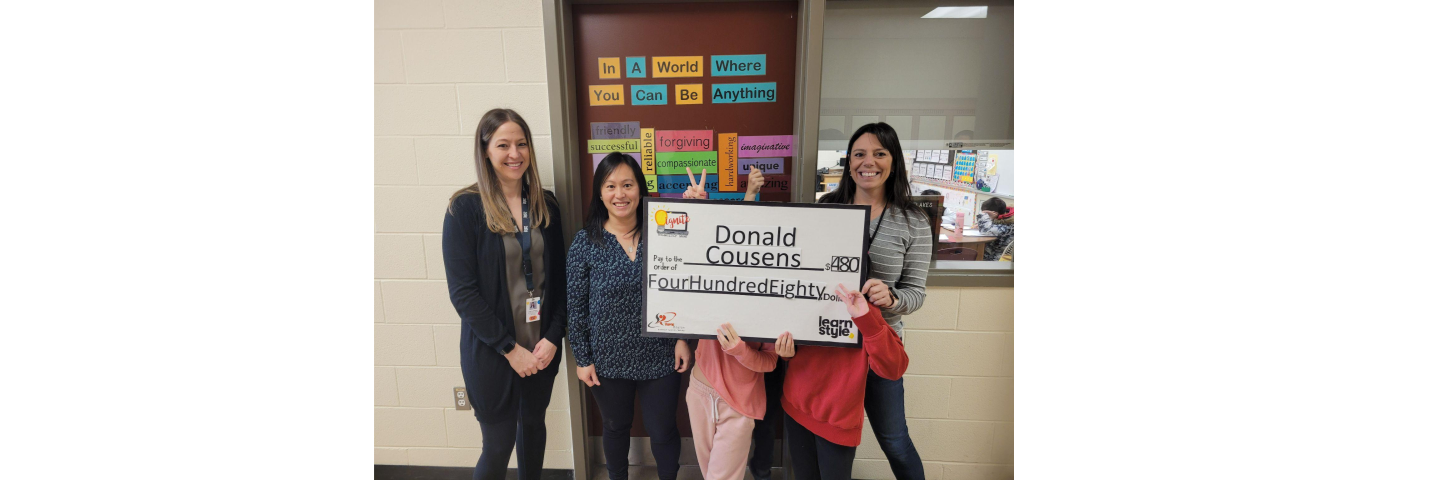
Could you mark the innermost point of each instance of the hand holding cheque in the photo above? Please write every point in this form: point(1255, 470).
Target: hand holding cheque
point(878, 293)
point(731, 342)
point(727, 337)
point(785, 345)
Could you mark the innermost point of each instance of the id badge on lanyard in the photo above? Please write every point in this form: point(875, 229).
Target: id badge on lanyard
point(532, 309)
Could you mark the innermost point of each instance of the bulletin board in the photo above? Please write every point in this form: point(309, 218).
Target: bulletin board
point(963, 171)
point(987, 171)
point(643, 58)
point(643, 111)
point(1004, 180)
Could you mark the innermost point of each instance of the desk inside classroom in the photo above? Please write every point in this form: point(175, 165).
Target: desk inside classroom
point(953, 239)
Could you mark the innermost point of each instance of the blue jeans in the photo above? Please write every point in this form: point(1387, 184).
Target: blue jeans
point(885, 405)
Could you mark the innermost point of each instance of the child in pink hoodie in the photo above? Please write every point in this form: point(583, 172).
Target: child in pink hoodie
point(726, 396)
point(727, 385)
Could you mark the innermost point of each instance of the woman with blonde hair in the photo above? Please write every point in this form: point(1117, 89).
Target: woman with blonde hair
point(505, 264)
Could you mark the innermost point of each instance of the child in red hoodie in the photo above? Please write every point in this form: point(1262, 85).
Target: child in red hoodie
point(824, 391)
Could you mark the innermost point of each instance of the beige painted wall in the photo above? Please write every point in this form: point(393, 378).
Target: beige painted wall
point(439, 65)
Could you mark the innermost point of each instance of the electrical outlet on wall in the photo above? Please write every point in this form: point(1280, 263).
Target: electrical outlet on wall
point(462, 399)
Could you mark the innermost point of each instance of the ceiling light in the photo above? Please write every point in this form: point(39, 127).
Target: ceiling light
point(957, 12)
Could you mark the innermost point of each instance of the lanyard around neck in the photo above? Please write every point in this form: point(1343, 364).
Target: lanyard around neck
point(522, 233)
point(872, 231)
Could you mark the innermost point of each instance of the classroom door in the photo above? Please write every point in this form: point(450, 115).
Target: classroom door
point(707, 85)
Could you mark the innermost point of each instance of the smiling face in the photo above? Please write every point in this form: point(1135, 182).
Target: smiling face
point(621, 192)
point(869, 163)
point(509, 152)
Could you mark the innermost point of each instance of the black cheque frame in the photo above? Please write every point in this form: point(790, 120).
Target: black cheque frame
point(645, 265)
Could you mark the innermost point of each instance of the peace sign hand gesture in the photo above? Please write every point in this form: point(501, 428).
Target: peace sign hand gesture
point(696, 190)
point(854, 302)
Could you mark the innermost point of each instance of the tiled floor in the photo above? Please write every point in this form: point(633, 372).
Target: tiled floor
point(687, 472)
point(643, 462)
point(415, 472)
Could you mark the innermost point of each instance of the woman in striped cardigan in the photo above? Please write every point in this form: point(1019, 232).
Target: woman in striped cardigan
point(899, 260)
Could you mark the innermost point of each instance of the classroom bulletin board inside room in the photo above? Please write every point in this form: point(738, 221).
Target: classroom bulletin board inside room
point(705, 85)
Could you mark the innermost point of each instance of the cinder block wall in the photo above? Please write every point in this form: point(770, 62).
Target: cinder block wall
point(959, 389)
point(439, 65)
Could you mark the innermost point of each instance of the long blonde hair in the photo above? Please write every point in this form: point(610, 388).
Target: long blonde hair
point(487, 184)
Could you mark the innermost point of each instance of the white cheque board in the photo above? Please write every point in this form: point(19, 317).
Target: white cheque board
point(765, 268)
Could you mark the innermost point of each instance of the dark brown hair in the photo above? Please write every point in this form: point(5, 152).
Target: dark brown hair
point(897, 187)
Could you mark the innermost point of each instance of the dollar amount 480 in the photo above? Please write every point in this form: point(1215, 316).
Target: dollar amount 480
point(843, 264)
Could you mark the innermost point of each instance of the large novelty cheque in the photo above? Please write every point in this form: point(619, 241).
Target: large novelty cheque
point(764, 268)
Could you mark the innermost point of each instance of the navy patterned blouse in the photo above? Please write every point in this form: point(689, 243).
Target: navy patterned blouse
point(606, 312)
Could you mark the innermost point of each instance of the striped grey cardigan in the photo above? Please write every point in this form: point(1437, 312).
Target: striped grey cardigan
point(900, 257)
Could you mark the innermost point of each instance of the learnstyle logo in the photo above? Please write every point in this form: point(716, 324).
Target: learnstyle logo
point(666, 319)
point(836, 328)
point(672, 224)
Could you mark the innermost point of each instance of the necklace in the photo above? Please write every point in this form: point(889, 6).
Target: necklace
point(629, 248)
point(621, 238)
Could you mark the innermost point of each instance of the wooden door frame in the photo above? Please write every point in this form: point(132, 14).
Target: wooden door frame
point(557, 20)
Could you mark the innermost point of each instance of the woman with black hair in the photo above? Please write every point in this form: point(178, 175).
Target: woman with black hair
point(506, 273)
point(898, 261)
point(606, 315)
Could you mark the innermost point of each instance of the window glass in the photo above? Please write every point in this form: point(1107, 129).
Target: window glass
point(946, 85)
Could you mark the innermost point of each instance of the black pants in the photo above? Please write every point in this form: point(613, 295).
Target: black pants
point(525, 433)
point(763, 438)
point(815, 458)
point(659, 399)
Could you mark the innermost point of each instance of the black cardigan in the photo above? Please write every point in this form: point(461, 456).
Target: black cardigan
point(475, 270)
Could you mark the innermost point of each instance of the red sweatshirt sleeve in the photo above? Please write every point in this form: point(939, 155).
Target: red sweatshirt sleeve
point(759, 361)
point(885, 352)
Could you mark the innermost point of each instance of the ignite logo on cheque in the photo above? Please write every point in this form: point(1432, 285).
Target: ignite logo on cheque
point(672, 224)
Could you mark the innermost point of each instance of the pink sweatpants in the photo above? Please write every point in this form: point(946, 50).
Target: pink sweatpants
point(722, 435)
